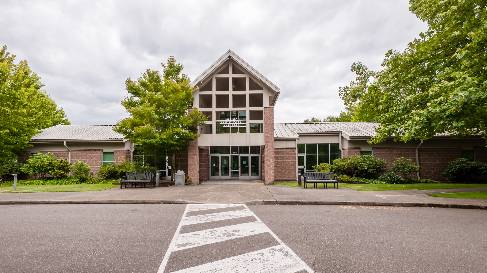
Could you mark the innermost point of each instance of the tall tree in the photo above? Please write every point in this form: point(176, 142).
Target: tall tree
point(160, 106)
point(25, 108)
point(438, 84)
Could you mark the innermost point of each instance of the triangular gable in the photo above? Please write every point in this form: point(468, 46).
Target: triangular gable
point(230, 55)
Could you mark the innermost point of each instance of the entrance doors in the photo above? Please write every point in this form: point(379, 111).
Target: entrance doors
point(220, 166)
point(241, 163)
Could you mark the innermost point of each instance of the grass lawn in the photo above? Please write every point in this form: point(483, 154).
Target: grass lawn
point(392, 187)
point(464, 195)
point(57, 188)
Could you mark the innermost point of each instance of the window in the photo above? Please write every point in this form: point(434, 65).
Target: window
point(207, 86)
point(256, 128)
point(222, 101)
point(208, 114)
point(256, 115)
point(253, 85)
point(243, 149)
point(255, 150)
point(206, 129)
point(206, 101)
point(221, 129)
point(366, 152)
point(237, 69)
point(256, 100)
point(239, 84)
point(310, 155)
point(222, 84)
point(225, 69)
point(219, 149)
point(108, 158)
point(239, 101)
point(222, 115)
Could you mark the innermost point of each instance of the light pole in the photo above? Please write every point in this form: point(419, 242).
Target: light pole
point(15, 181)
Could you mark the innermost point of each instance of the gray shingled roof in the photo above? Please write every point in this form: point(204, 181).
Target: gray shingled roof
point(348, 129)
point(79, 132)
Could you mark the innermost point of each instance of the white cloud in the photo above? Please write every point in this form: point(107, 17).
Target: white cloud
point(84, 51)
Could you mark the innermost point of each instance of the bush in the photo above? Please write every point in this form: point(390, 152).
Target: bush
point(109, 171)
point(80, 171)
point(46, 165)
point(365, 166)
point(404, 168)
point(392, 178)
point(464, 170)
point(322, 168)
point(357, 180)
point(116, 171)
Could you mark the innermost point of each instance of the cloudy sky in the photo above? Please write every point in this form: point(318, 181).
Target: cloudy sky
point(84, 50)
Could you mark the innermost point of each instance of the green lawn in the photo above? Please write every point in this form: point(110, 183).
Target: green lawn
point(393, 187)
point(58, 188)
point(464, 195)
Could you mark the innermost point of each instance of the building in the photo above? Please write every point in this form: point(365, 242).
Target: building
point(241, 141)
point(93, 144)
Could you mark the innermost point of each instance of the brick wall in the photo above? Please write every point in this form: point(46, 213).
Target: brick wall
point(193, 173)
point(432, 160)
point(92, 157)
point(204, 163)
point(285, 163)
point(121, 156)
point(350, 152)
point(269, 145)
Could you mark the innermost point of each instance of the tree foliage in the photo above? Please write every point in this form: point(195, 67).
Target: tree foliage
point(343, 116)
point(25, 108)
point(438, 84)
point(160, 107)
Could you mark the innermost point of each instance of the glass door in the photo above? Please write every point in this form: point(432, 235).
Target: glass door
point(255, 166)
point(215, 165)
point(244, 165)
point(225, 166)
point(234, 165)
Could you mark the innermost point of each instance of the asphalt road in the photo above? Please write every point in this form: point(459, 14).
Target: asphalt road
point(134, 238)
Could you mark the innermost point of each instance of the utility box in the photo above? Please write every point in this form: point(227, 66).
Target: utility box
point(179, 178)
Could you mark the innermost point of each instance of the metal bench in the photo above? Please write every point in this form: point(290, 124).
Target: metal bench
point(315, 178)
point(134, 179)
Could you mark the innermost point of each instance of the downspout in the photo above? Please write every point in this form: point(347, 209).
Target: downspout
point(69, 151)
point(417, 160)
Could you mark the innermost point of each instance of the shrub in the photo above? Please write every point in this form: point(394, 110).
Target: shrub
point(322, 168)
point(80, 171)
point(464, 170)
point(109, 171)
point(392, 178)
point(46, 165)
point(365, 166)
point(357, 180)
point(404, 168)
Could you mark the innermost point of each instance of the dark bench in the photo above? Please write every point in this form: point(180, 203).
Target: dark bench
point(315, 178)
point(134, 179)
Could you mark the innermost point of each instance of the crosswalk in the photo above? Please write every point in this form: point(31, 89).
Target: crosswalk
point(225, 238)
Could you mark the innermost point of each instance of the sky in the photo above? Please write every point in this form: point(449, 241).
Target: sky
point(85, 50)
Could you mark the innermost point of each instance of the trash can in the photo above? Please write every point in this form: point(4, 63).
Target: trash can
point(179, 178)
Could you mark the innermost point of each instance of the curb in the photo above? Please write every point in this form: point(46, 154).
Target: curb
point(262, 202)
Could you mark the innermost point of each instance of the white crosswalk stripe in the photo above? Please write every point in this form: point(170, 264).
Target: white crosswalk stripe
point(217, 228)
point(205, 218)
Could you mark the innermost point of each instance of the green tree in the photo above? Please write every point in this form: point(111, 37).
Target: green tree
point(438, 84)
point(162, 119)
point(25, 108)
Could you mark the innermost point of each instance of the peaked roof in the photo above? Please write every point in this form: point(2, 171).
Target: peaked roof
point(230, 55)
point(348, 129)
point(80, 133)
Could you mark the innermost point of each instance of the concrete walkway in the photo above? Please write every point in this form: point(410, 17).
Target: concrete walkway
point(245, 192)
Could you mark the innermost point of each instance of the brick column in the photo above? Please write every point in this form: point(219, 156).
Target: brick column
point(268, 167)
point(193, 162)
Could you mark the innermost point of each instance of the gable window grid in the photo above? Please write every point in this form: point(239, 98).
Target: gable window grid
point(313, 154)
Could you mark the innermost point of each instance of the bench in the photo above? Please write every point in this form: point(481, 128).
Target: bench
point(315, 178)
point(134, 179)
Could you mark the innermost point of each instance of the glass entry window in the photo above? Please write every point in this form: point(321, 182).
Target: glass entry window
point(236, 162)
point(310, 155)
